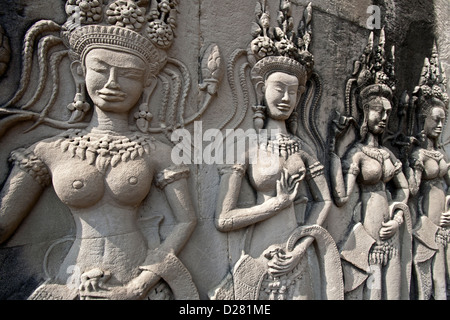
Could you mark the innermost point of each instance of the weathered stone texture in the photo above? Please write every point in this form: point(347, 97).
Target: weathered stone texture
point(209, 254)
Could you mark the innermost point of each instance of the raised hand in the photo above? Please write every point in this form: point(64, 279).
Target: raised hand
point(287, 188)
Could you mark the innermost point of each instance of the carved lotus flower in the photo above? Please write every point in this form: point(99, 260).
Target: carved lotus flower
point(164, 6)
point(125, 14)
point(382, 77)
point(287, 48)
point(90, 11)
point(439, 93)
point(426, 91)
point(263, 47)
point(160, 33)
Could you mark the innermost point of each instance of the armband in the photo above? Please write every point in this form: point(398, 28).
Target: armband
point(170, 175)
point(237, 168)
point(315, 170)
point(28, 162)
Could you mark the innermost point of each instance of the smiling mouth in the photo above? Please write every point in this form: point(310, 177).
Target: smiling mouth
point(283, 107)
point(111, 96)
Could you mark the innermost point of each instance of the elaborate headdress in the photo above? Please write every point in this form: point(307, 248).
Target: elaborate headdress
point(374, 73)
point(142, 27)
point(430, 92)
point(373, 77)
point(432, 88)
point(279, 49)
point(127, 25)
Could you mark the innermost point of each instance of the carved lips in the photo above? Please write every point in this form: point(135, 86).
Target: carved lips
point(284, 107)
point(111, 95)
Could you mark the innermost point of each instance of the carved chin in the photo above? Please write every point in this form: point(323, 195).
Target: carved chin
point(377, 130)
point(279, 115)
point(434, 134)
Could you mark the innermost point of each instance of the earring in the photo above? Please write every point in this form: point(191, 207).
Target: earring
point(259, 117)
point(79, 106)
point(143, 116)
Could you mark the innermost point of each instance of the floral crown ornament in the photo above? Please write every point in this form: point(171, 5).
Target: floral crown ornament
point(432, 85)
point(279, 49)
point(429, 93)
point(373, 77)
point(144, 28)
point(281, 45)
point(136, 26)
point(373, 74)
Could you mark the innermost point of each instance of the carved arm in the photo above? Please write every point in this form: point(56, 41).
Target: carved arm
point(402, 186)
point(179, 200)
point(342, 186)
point(21, 191)
point(229, 217)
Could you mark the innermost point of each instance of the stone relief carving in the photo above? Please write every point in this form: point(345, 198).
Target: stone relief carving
point(287, 254)
point(273, 206)
point(426, 167)
point(376, 250)
point(103, 171)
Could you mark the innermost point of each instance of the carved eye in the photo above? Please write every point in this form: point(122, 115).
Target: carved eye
point(279, 89)
point(98, 68)
point(130, 74)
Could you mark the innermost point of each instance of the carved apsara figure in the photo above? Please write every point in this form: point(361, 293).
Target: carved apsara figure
point(285, 256)
point(428, 177)
point(105, 171)
point(376, 248)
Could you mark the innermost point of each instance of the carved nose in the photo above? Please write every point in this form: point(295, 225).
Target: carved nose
point(286, 97)
point(112, 81)
point(112, 84)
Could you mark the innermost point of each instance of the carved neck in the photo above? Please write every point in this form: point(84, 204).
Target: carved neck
point(430, 143)
point(109, 122)
point(372, 140)
point(275, 126)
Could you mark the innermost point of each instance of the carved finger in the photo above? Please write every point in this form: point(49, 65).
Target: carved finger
point(292, 178)
point(295, 192)
point(284, 175)
point(279, 189)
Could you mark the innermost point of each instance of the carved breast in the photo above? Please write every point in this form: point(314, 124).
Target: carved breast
point(371, 171)
point(266, 171)
point(81, 185)
point(375, 166)
point(434, 168)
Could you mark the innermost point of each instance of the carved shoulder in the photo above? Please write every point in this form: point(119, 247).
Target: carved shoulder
point(35, 160)
point(313, 166)
point(166, 171)
point(353, 155)
point(416, 159)
point(161, 155)
point(47, 150)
